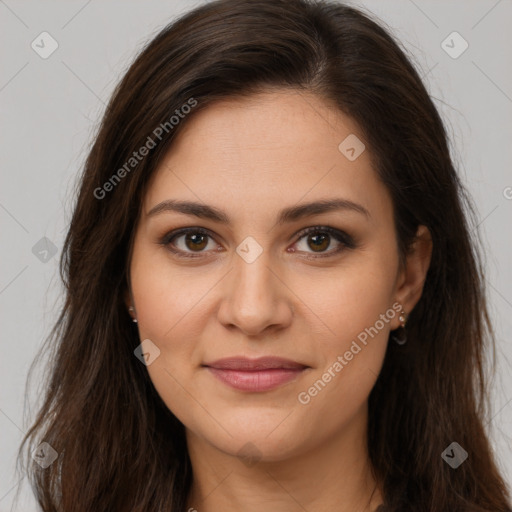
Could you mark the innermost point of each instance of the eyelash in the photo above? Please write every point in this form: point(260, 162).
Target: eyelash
point(346, 241)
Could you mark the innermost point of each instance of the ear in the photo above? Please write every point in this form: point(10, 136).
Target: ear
point(412, 277)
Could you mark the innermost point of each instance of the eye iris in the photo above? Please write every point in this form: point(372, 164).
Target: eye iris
point(193, 237)
point(322, 244)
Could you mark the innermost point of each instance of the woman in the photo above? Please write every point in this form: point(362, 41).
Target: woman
point(273, 301)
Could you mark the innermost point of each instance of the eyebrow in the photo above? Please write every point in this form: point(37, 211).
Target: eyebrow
point(287, 215)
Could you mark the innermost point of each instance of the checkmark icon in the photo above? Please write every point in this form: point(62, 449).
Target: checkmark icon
point(44, 45)
point(147, 352)
point(44, 250)
point(454, 45)
point(249, 249)
point(351, 147)
point(454, 455)
point(44, 455)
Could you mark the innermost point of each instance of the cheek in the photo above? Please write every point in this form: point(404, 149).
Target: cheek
point(353, 305)
point(163, 300)
point(351, 299)
point(167, 296)
point(168, 304)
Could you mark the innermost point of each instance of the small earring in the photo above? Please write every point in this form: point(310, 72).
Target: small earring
point(399, 335)
point(131, 310)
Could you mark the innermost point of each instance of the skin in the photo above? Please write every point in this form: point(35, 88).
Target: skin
point(250, 158)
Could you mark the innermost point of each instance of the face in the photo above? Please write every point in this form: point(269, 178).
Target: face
point(249, 273)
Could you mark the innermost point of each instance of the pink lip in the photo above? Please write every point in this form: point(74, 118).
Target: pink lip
point(262, 374)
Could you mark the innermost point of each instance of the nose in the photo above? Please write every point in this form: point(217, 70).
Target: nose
point(256, 299)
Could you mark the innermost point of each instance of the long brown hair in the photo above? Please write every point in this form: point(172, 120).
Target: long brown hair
point(119, 447)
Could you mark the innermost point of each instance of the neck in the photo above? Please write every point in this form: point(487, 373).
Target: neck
point(336, 475)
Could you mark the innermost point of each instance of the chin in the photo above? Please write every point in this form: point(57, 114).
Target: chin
point(262, 439)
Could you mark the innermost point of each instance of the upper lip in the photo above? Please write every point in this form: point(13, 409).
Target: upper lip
point(261, 363)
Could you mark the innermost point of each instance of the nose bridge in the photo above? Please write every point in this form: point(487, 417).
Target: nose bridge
point(255, 297)
point(252, 278)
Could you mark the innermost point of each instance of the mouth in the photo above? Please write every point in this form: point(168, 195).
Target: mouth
point(255, 375)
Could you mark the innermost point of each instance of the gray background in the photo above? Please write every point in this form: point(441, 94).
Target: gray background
point(51, 107)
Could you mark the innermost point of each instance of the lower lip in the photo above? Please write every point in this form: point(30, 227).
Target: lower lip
point(259, 380)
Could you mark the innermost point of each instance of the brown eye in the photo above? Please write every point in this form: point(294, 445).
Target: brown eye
point(188, 241)
point(319, 242)
point(196, 241)
point(319, 239)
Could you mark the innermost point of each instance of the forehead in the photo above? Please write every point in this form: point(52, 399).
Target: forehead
point(265, 151)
